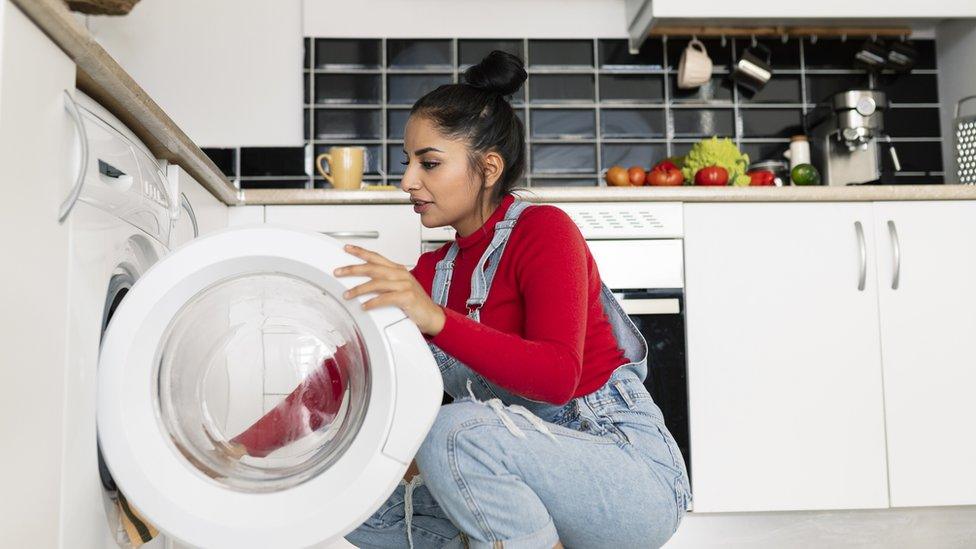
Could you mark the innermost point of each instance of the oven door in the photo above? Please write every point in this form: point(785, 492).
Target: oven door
point(659, 315)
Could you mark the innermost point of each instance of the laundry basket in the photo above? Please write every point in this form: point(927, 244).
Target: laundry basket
point(965, 144)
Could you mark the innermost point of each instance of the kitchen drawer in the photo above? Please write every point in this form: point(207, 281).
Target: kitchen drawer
point(391, 230)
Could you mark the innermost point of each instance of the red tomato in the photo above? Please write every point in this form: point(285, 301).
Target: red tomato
point(668, 177)
point(665, 165)
point(714, 176)
point(636, 175)
point(761, 178)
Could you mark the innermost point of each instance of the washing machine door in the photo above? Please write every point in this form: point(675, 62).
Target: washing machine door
point(244, 403)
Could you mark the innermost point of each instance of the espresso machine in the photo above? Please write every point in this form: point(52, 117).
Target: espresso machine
point(846, 138)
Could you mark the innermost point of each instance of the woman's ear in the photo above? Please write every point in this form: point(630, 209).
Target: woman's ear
point(494, 166)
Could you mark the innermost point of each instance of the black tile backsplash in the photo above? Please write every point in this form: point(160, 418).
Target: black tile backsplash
point(557, 123)
point(589, 103)
point(781, 88)
point(910, 88)
point(912, 122)
point(410, 53)
point(272, 161)
point(703, 122)
point(560, 88)
point(351, 53)
point(771, 122)
point(642, 88)
point(560, 53)
point(635, 123)
point(225, 159)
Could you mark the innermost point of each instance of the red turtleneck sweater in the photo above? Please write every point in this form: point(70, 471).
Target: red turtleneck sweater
point(543, 333)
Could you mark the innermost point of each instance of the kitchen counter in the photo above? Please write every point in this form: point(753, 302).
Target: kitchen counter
point(100, 76)
point(864, 193)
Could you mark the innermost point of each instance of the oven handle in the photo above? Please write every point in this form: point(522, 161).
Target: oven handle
point(650, 306)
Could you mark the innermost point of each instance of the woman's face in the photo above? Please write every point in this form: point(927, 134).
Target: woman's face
point(439, 178)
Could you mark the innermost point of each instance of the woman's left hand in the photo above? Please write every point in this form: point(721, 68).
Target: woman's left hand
point(396, 286)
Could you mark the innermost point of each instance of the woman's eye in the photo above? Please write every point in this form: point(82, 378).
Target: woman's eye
point(426, 165)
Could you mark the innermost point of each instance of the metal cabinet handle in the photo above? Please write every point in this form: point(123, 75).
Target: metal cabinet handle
point(352, 234)
point(863, 252)
point(72, 199)
point(185, 204)
point(895, 254)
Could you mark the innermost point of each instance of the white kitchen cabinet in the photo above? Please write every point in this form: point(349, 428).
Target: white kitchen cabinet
point(784, 373)
point(228, 72)
point(928, 322)
point(393, 230)
point(39, 160)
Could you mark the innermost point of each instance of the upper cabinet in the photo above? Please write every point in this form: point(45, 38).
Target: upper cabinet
point(228, 72)
point(642, 15)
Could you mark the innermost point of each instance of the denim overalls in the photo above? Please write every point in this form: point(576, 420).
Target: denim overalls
point(501, 470)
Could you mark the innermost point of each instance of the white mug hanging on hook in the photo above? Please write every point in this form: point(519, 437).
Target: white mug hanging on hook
point(695, 67)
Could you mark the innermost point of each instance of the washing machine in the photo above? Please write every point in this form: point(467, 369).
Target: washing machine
point(239, 339)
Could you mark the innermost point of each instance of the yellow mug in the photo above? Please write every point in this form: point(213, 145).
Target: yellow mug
point(345, 166)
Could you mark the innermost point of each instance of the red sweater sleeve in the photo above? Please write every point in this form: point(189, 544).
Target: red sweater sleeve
point(551, 273)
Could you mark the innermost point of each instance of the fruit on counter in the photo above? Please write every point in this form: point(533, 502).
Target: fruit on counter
point(805, 174)
point(712, 176)
point(665, 177)
point(617, 177)
point(762, 178)
point(720, 153)
point(666, 164)
point(635, 174)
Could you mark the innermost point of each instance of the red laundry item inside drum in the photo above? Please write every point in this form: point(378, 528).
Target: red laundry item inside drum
point(314, 403)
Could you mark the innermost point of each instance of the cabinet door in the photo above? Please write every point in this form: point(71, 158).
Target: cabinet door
point(784, 372)
point(390, 229)
point(928, 322)
point(39, 161)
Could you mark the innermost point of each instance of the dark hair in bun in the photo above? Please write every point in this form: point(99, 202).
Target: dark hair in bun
point(498, 72)
point(477, 111)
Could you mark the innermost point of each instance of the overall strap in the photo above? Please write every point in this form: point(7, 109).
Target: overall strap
point(480, 278)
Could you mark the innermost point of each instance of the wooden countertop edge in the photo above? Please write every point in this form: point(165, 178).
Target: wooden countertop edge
point(866, 193)
point(101, 77)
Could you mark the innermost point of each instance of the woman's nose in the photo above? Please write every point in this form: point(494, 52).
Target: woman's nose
point(409, 182)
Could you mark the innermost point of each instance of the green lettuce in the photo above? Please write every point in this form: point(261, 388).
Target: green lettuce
point(717, 152)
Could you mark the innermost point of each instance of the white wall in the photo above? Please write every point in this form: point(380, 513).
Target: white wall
point(228, 72)
point(956, 48)
point(465, 18)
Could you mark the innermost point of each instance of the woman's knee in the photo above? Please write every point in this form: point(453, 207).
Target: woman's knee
point(433, 456)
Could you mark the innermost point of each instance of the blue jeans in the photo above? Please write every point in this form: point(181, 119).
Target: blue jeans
point(604, 472)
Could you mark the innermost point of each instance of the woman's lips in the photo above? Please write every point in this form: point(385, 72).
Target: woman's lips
point(421, 206)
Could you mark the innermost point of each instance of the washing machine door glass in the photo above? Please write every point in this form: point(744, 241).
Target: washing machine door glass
point(263, 381)
point(243, 402)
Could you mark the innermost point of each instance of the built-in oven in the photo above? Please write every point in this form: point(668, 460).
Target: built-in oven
point(639, 253)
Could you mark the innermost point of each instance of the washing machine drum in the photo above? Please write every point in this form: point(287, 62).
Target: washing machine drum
point(243, 402)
